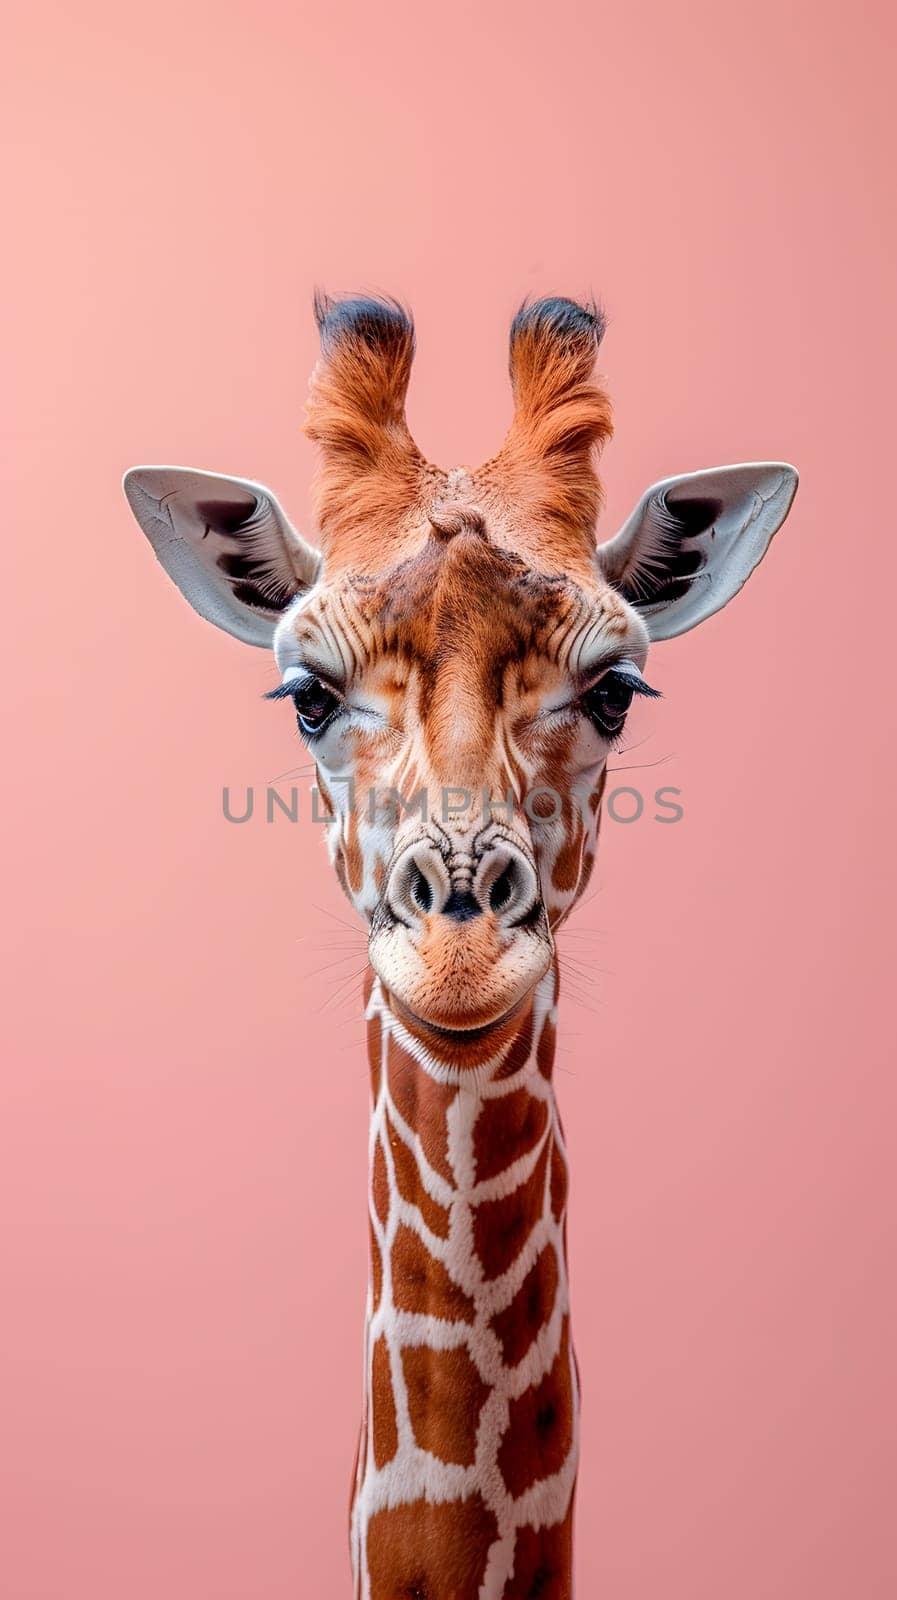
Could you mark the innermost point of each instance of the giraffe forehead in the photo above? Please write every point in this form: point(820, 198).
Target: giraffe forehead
point(464, 606)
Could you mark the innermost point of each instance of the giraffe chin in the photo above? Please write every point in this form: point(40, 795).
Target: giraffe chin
point(457, 998)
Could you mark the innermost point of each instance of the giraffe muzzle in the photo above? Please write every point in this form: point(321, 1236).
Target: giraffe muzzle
point(461, 934)
point(498, 881)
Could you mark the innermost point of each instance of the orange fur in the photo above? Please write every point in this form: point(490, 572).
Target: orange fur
point(541, 495)
point(546, 466)
point(371, 475)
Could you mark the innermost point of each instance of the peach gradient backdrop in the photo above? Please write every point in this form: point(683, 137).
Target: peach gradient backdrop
point(183, 1116)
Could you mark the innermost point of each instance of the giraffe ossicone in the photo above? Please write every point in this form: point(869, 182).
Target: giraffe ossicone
point(462, 632)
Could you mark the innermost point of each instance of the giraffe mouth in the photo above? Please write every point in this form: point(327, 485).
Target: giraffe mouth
point(470, 1034)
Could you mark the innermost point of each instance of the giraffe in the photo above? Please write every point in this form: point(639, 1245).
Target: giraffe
point(461, 657)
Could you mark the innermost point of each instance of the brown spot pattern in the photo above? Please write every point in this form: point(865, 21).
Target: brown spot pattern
point(519, 1325)
point(502, 1227)
point(588, 862)
point(410, 1185)
point(352, 854)
point(565, 872)
point(518, 1055)
point(543, 1562)
point(421, 1283)
point(380, 1183)
point(546, 1048)
point(423, 1104)
point(506, 1128)
point(374, 1040)
point(445, 1398)
point(376, 1270)
point(385, 1431)
point(558, 1182)
point(540, 1427)
point(430, 1552)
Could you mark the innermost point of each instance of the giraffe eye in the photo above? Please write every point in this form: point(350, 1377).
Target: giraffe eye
point(608, 700)
point(315, 705)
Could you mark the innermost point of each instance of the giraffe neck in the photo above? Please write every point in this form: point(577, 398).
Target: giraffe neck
point(467, 1458)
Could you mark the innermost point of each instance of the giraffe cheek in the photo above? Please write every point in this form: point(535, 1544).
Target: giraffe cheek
point(339, 867)
point(565, 871)
point(353, 857)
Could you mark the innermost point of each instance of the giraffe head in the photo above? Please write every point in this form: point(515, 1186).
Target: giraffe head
point(459, 652)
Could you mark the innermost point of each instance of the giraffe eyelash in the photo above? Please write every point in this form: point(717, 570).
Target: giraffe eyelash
point(283, 691)
point(296, 678)
point(631, 676)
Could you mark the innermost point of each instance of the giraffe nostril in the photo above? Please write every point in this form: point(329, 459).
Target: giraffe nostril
point(506, 884)
point(420, 888)
point(502, 889)
point(417, 885)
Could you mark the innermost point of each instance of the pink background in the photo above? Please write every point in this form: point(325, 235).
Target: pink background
point(183, 1092)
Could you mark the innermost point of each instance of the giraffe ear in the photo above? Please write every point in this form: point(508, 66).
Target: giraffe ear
point(226, 543)
point(692, 542)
